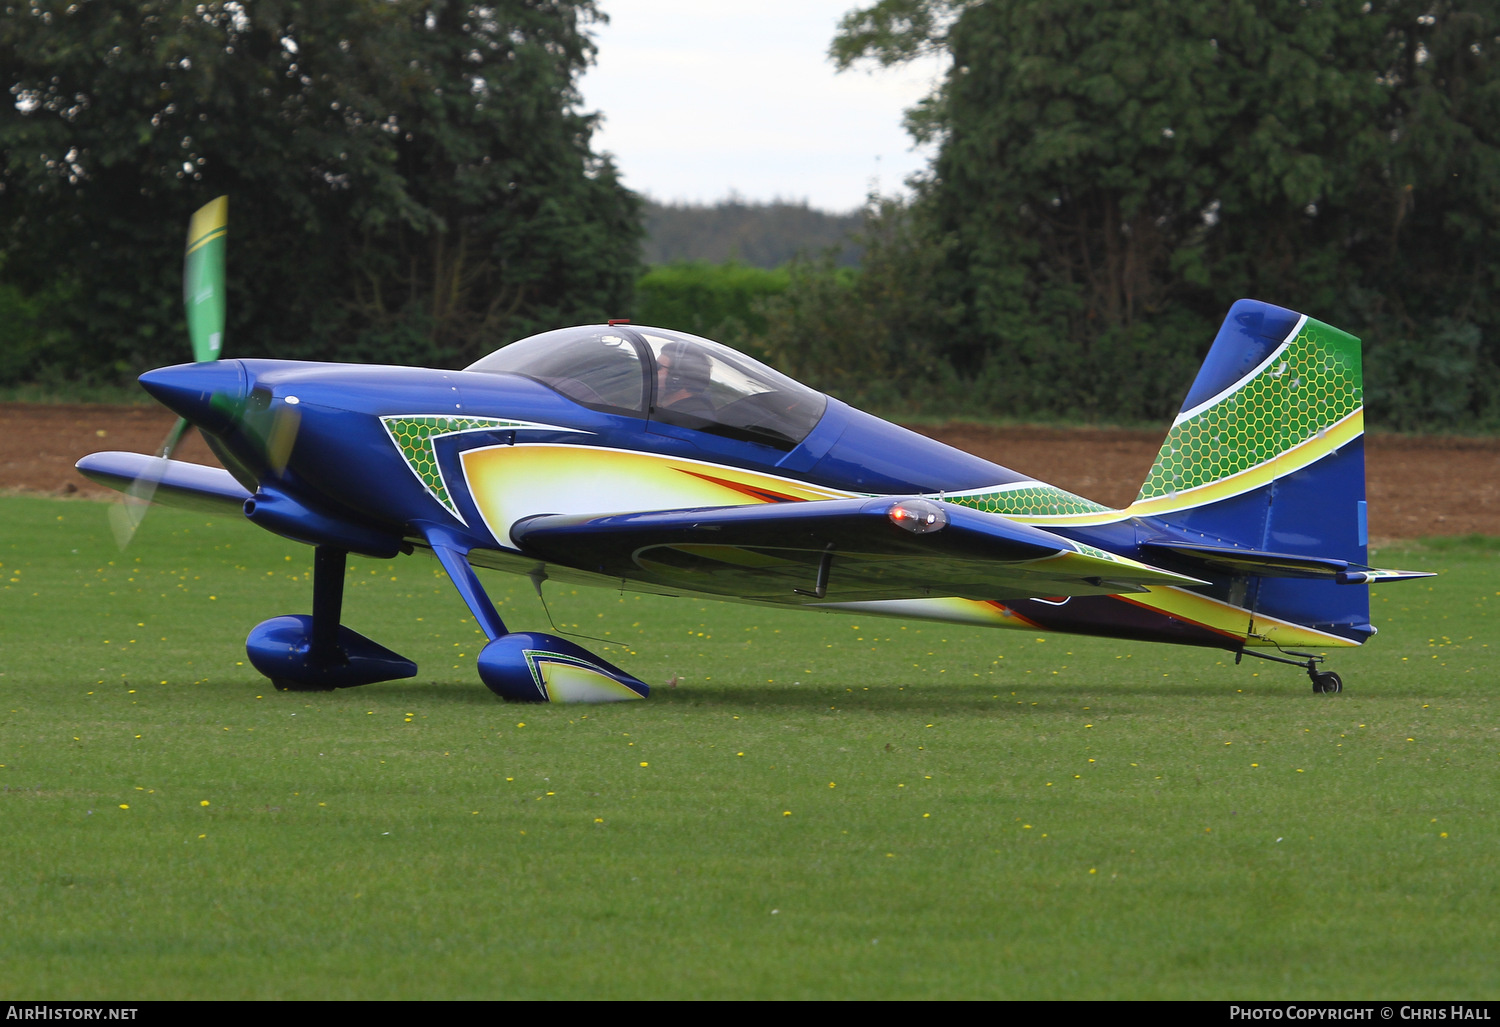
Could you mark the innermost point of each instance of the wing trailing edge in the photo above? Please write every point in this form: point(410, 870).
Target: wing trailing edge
point(837, 550)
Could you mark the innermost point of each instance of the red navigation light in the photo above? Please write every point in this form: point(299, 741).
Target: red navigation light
point(918, 516)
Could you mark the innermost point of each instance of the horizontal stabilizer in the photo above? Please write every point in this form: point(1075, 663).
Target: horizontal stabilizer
point(1377, 576)
point(837, 550)
point(1254, 562)
point(178, 483)
point(1239, 560)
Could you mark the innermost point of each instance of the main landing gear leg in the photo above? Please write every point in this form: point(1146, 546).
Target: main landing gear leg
point(1325, 681)
point(318, 654)
point(532, 666)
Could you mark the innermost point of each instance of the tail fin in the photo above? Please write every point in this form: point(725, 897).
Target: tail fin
point(1267, 459)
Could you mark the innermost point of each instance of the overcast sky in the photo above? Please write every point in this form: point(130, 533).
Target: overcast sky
point(702, 98)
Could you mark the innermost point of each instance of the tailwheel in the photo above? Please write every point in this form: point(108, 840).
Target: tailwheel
point(1324, 682)
point(1327, 682)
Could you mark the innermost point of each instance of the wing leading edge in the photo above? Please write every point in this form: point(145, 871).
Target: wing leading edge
point(178, 483)
point(839, 550)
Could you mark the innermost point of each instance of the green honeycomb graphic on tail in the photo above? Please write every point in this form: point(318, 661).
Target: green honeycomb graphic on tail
point(416, 438)
point(1033, 500)
point(1312, 384)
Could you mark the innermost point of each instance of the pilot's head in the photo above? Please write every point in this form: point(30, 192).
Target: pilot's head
point(681, 368)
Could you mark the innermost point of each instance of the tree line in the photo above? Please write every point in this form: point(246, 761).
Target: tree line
point(413, 181)
point(1113, 174)
point(764, 235)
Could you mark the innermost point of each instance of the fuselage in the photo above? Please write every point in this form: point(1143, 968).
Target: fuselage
point(391, 451)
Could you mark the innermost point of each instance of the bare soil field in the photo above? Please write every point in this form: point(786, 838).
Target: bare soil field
point(1417, 485)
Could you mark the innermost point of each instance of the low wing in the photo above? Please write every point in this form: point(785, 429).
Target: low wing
point(178, 483)
point(839, 550)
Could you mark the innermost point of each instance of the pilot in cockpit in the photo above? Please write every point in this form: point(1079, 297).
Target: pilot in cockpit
point(682, 378)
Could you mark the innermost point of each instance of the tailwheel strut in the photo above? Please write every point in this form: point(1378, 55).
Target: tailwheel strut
point(1323, 681)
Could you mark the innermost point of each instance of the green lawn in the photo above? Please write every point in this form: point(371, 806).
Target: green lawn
point(825, 806)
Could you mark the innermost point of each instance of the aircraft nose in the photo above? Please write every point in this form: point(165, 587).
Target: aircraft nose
point(210, 394)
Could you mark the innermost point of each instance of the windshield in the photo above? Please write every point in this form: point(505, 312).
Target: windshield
point(709, 387)
point(691, 382)
point(599, 368)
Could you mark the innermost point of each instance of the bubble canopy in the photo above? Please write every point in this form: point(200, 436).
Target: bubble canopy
point(665, 376)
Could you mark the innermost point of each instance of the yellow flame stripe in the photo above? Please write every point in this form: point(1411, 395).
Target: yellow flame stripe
point(1229, 619)
point(1305, 453)
point(1234, 622)
point(1337, 435)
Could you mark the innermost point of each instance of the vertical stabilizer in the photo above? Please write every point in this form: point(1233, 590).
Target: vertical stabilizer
point(1267, 454)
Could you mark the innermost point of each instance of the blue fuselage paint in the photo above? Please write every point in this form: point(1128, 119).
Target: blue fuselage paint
point(345, 466)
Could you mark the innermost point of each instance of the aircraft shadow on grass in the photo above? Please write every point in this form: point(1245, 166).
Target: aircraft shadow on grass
point(937, 698)
point(648, 460)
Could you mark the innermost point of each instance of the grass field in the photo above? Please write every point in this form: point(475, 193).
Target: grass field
point(823, 807)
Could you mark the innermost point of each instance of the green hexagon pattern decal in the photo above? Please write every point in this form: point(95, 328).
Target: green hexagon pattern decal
point(1312, 382)
point(416, 435)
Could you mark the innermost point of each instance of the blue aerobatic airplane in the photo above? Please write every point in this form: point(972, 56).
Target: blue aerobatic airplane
point(648, 460)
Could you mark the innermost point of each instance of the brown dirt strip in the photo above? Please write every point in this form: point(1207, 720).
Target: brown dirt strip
point(1417, 485)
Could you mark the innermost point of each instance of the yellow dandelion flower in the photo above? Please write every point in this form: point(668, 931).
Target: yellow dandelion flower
point(645, 764)
point(786, 812)
point(124, 805)
point(203, 803)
